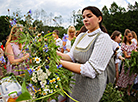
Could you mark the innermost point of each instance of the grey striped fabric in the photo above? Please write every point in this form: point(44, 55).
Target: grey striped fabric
point(85, 88)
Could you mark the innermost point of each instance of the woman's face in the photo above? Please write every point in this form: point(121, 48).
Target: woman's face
point(118, 39)
point(72, 34)
point(54, 34)
point(90, 20)
point(129, 37)
point(17, 34)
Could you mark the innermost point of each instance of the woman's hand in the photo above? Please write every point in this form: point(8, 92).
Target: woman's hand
point(25, 56)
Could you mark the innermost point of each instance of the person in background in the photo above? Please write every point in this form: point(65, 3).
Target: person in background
point(135, 85)
point(89, 58)
point(67, 42)
point(127, 46)
point(58, 40)
point(134, 38)
point(82, 30)
point(2, 61)
point(1, 45)
point(117, 37)
point(13, 51)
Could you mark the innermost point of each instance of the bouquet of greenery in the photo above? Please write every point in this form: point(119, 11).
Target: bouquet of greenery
point(111, 94)
point(72, 41)
point(132, 63)
point(43, 78)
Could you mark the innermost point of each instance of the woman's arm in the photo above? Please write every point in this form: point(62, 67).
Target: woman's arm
point(63, 45)
point(125, 54)
point(74, 67)
point(10, 55)
point(64, 56)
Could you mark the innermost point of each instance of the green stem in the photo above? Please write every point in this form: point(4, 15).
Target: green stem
point(69, 96)
point(46, 96)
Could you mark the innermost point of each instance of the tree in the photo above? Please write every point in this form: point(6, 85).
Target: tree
point(133, 8)
point(78, 20)
point(58, 20)
point(114, 18)
point(4, 27)
point(39, 25)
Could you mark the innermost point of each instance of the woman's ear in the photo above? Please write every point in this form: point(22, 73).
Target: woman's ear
point(99, 19)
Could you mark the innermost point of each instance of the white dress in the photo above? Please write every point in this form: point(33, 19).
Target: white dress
point(68, 45)
point(59, 43)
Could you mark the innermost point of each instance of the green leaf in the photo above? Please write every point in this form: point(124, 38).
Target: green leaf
point(25, 94)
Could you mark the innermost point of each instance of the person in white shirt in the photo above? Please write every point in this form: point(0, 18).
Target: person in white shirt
point(117, 38)
point(67, 42)
point(58, 40)
point(134, 37)
point(89, 58)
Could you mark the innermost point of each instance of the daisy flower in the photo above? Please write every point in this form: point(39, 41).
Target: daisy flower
point(37, 60)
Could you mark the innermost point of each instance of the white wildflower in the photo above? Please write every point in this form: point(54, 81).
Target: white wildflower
point(48, 72)
point(37, 60)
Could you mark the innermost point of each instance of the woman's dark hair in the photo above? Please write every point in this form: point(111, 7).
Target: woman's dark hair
point(97, 13)
point(83, 29)
point(57, 32)
point(114, 34)
point(125, 34)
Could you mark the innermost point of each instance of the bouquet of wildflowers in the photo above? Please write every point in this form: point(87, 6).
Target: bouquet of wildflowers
point(132, 63)
point(43, 76)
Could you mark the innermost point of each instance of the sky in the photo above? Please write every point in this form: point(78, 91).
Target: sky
point(56, 7)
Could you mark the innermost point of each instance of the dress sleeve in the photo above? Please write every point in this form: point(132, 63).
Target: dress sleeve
point(134, 45)
point(99, 59)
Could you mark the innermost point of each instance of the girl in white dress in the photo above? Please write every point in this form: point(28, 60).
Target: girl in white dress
point(67, 43)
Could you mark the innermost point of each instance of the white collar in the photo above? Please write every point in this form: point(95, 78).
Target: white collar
point(94, 32)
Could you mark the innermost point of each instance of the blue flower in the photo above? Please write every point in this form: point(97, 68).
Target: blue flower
point(47, 67)
point(57, 74)
point(46, 48)
point(65, 37)
point(31, 71)
point(13, 22)
point(64, 47)
point(27, 49)
point(31, 86)
point(3, 60)
point(30, 12)
point(59, 66)
point(47, 82)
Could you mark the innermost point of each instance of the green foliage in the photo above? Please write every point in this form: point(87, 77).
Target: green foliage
point(43, 75)
point(117, 18)
point(79, 20)
point(25, 94)
point(4, 28)
point(132, 64)
point(72, 41)
point(111, 94)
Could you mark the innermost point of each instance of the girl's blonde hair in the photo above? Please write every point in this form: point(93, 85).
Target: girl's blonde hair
point(12, 34)
point(71, 29)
